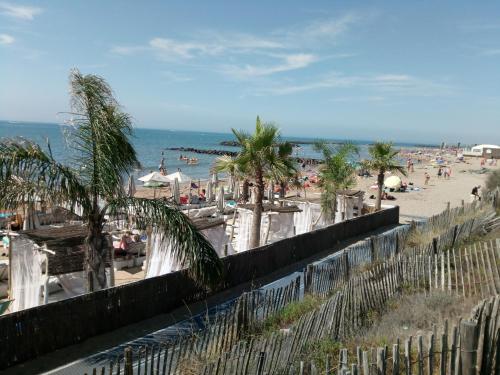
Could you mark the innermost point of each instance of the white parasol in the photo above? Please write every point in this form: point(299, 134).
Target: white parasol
point(393, 182)
point(179, 176)
point(155, 177)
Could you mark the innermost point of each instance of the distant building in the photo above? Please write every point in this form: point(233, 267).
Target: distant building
point(484, 151)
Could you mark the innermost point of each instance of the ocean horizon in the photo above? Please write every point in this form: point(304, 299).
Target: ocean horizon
point(151, 142)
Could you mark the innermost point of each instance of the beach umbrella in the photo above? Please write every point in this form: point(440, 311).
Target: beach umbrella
point(30, 218)
point(177, 192)
point(131, 190)
point(154, 177)
point(393, 182)
point(230, 184)
point(220, 200)
point(209, 192)
point(236, 191)
point(179, 176)
point(215, 178)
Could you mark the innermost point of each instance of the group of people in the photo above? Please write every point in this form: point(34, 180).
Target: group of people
point(188, 160)
point(122, 248)
point(409, 165)
point(444, 172)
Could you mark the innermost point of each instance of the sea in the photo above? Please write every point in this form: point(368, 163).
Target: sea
point(151, 143)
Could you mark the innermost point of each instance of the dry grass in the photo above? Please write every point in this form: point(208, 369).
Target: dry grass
point(408, 315)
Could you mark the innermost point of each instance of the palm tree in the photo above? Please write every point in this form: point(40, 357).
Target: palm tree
point(103, 155)
point(262, 154)
point(336, 173)
point(383, 159)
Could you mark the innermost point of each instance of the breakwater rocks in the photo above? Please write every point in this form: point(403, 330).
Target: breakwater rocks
point(202, 151)
point(308, 161)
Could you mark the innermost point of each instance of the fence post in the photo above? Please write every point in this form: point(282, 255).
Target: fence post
point(468, 347)
point(455, 233)
point(373, 251)
point(262, 360)
point(346, 266)
point(128, 370)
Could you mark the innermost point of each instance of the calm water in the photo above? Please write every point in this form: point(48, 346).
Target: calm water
point(149, 144)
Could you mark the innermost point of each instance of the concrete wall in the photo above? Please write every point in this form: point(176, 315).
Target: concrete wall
point(32, 332)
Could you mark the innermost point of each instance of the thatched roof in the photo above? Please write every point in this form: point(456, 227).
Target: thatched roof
point(67, 243)
point(206, 223)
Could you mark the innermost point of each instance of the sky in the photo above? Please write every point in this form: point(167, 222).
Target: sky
point(421, 71)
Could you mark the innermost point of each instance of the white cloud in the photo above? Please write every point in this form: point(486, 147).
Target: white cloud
point(345, 99)
point(175, 77)
point(22, 12)
point(396, 84)
point(491, 52)
point(171, 49)
point(248, 55)
point(6, 39)
point(289, 62)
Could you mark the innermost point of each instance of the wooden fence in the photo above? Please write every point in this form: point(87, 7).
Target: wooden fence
point(73, 320)
point(351, 294)
point(469, 348)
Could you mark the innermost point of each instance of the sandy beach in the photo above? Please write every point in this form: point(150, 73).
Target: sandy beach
point(427, 201)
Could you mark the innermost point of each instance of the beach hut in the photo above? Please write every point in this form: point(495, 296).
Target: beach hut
point(349, 204)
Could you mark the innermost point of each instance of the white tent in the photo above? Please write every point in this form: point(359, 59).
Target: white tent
point(155, 177)
point(181, 177)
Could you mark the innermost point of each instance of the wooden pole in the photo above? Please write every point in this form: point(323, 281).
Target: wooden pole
point(128, 361)
point(9, 249)
point(468, 347)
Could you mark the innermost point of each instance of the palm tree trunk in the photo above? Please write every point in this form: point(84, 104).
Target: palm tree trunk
point(96, 245)
point(245, 193)
point(282, 189)
point(380, 185)
point(257, 212)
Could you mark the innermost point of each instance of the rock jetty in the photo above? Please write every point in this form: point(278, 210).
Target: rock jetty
point(233, 154)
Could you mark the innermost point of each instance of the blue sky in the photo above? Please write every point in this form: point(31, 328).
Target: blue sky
point(409, 71)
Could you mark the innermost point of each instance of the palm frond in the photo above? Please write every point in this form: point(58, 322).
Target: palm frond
point(191, 248)
point(27, 173)
point(101, 135)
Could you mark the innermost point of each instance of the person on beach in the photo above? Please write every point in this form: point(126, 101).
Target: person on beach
point(427, 178)
point(440, 172)
point(447, 173)
point(475, 193)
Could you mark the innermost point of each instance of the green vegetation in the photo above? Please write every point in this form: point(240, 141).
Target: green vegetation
point(383, 159)
point(290, 314)
point(336, 173)
point(103, 153)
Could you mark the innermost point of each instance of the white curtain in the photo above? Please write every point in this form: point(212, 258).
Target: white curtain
point(27, 277)
point(73, 283)
point(161, 261)
point(219, 239)
point(281, 227)
point(303, 221)
point(244, 224)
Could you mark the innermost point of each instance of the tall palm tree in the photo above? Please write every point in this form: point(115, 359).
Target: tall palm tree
point(262, 154)
point(228, 164)
point(336, 173)
point(103, 154)
point(383, 159)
